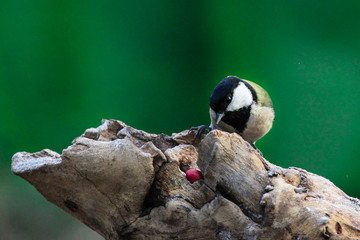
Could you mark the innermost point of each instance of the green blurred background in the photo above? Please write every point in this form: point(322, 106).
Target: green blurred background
point(65, 65)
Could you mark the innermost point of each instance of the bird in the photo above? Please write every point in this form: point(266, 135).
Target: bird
point(240, 106)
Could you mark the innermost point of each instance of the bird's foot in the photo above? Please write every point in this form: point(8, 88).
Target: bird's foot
point(200, 130)
point(257, 150)
point(263, 160)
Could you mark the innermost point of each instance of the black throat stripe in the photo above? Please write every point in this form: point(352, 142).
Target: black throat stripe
point(238, 119)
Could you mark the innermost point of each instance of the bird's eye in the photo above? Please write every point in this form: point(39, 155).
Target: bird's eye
point(228, 99)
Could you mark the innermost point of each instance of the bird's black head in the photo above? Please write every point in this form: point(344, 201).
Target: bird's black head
point(223, 93)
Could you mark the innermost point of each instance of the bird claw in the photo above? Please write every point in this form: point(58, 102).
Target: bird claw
point(200, 130)
point(256, 149)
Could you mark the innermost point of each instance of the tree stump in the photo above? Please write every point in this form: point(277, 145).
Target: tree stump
point(128, 184)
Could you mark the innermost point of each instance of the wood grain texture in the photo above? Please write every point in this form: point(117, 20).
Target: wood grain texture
point(128, 184)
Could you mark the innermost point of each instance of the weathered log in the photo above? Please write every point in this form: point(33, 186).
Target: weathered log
point(128, 184)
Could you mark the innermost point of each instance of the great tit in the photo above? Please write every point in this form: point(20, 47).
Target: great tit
point(241, 106)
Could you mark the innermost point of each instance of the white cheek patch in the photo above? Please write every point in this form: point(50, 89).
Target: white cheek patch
point(242, 97)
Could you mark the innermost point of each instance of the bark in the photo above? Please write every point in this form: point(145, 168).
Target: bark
point(127, 184)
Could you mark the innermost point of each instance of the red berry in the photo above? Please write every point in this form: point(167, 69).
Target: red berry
point(193, 175)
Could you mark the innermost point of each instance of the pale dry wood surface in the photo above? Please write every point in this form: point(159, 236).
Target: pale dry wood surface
point(128, 184)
